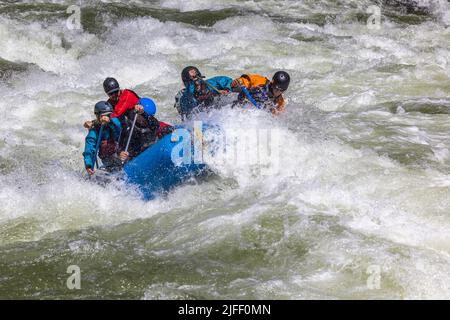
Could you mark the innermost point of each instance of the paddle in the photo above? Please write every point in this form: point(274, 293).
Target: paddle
point(211, 86)
point(249, 97)
point(131, 133)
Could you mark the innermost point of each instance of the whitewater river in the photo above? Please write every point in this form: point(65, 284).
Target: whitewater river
point(360, 205)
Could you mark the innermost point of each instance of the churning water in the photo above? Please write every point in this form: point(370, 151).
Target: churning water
point(361, 205)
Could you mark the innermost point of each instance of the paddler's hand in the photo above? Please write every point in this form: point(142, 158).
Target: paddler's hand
point(89, 124)
point(223, 92)
point(138, 108)
point(104, 120)
point(90, 171)
point(123, 156)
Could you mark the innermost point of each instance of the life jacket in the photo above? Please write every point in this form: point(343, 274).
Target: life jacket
point(261, 93)
point(259, 88)
point(204, 95)
point(129, 114)
point(256, 85)
point(127, 100)
point(185, 102)
point(108, 147)
point(144, 134)
point(146, 125)
point(251, 81)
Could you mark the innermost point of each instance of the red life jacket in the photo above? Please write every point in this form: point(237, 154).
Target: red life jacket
point(127, 100)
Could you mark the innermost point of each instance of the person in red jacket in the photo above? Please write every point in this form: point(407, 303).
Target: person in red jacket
point(123, 101)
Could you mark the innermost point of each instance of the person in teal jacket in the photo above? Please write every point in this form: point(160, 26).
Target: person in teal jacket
point(108, 145)
point(198, 94)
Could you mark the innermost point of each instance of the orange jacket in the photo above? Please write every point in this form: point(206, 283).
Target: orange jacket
point(252, 81)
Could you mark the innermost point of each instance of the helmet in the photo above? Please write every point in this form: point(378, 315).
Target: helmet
point(281, 80)
point(149, 106)
point(185, 74)
point(110, 85)
point(103, 108)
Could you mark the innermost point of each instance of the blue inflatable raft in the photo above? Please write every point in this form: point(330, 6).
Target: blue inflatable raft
point(156, 169)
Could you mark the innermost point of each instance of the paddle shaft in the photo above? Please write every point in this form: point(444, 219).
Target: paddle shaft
point(131, 132)
point(100, 133)
point(210, 85)
point(249, 97)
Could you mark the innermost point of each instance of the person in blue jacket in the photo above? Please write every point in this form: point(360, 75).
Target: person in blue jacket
point(108, 145)
point(199, 94)
point(147, 130)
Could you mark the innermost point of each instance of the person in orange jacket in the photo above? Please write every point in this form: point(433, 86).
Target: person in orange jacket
point(266, 93)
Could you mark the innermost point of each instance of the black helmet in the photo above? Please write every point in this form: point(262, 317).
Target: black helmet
point(103, 108)
point(281, 80)
point(110, 85)
point(185, 74)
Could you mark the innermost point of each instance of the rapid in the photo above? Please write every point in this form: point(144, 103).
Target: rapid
point(359, 207)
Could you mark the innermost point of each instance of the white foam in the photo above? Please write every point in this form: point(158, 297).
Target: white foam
point(355, 204)
point(186, 6)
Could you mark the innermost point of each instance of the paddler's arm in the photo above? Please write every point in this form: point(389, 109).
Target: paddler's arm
point(89, 151)
point(220, 84)
point(116, 127)
point(279, 106)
